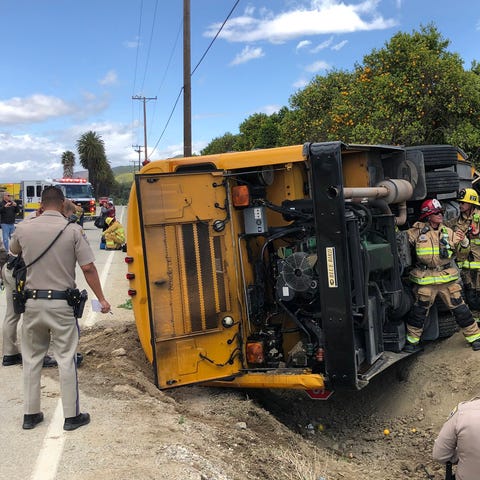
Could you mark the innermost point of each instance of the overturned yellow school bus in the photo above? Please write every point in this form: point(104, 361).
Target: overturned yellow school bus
point(284, 267)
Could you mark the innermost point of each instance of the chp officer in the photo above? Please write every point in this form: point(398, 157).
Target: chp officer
point(436, 274)
point(47, 311)
point(459, 440)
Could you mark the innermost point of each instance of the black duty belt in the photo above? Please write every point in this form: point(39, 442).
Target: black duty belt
point(48, 294)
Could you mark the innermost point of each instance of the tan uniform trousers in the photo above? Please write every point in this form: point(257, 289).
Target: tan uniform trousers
point(41, 319)
point(450, 293)
point(10, 322)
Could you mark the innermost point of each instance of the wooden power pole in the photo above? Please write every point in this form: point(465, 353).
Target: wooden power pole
point(187, 84)
point(139, 97)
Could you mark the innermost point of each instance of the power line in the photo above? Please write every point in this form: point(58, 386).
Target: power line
point(136, 58)
point(149, 45)
point(193, 71)
point(166, 69)
point(138, 45)
point(215, 37)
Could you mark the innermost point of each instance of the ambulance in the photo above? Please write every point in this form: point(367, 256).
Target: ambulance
point(79, 190)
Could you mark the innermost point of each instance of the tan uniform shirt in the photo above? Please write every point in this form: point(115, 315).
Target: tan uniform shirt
point(459, 439)
point(56, 269)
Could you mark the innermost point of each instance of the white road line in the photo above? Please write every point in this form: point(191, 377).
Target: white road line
point(51, 452)
point(103, 277)
point(52, 448)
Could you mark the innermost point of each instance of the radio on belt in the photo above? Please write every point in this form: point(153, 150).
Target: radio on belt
point(255, 220)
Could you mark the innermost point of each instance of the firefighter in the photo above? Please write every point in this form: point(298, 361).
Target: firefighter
point(436, 274)
point(469, 223)
point(114, 234)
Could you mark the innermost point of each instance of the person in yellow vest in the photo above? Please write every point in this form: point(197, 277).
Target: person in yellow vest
point(436, 274)
point(469, 223)
point(114, 234)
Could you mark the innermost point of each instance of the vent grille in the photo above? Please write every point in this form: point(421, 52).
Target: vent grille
point(204, 276)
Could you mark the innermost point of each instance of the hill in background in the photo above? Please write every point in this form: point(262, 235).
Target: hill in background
point(123, 174)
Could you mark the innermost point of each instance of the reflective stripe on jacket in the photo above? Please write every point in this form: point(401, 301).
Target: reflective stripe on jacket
point(432, 268)
point(470, 225)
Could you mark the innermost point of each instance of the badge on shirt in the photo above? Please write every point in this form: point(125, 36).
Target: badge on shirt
point(422, 238)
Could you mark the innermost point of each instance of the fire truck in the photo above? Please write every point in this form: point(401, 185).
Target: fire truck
point(79, 190)
point(284, 267)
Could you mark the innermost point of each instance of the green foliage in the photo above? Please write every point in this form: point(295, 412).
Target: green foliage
point(124, 178)
point(91, 150)
point(220, 144)
point(412, 91)
point(68, 162)
point(127, 304)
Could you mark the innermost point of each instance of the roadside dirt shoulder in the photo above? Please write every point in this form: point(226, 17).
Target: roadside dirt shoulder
point(218, 434)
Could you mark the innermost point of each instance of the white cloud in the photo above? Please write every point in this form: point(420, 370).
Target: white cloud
point(247, 54)
point(317, 17)
point(35, 108)
point(269, 109)
point(317, 66)
point(339, 45)
point(109, 79)
point(303, 44)
point(29, 157)
point(300, 83)
point(132, 43)
point(322, 45)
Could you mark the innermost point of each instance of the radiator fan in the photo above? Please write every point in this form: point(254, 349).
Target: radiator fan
point(297, 271)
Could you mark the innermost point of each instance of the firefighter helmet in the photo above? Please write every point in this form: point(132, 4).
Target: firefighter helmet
point(429, 207)
point(468, 195)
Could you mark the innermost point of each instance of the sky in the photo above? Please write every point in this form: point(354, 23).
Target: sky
point(71, 66)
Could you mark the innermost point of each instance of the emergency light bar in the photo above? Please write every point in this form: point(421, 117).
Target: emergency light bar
point(70, 180)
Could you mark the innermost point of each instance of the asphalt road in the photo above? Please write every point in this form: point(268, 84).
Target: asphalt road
point(37, 454)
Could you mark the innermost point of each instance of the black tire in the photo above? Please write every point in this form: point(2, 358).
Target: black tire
point(441, 181)
point(447, 326)
point(437, 156)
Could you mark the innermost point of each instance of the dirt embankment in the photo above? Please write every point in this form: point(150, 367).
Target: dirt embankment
point(218, 434)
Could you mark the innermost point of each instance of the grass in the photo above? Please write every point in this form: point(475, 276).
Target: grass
point(127, 304)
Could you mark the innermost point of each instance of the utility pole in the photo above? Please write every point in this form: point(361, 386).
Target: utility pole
point(144, 99)
point(138, 149)
point(187, 84)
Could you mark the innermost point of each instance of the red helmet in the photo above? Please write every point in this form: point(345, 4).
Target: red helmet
point(429, 207)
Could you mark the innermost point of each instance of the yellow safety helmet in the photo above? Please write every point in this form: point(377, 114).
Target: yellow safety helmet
point(468, 195)
point(109, 220)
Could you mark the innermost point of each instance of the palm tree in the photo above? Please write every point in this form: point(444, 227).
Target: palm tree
point(91, 150)
point(68, 162)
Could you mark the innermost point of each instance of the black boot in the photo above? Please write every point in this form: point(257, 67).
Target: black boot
point(49, 362)
point(412, 347)
point(32, 420)
point(475, 345)
point(9, 360)
point(72, 423)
